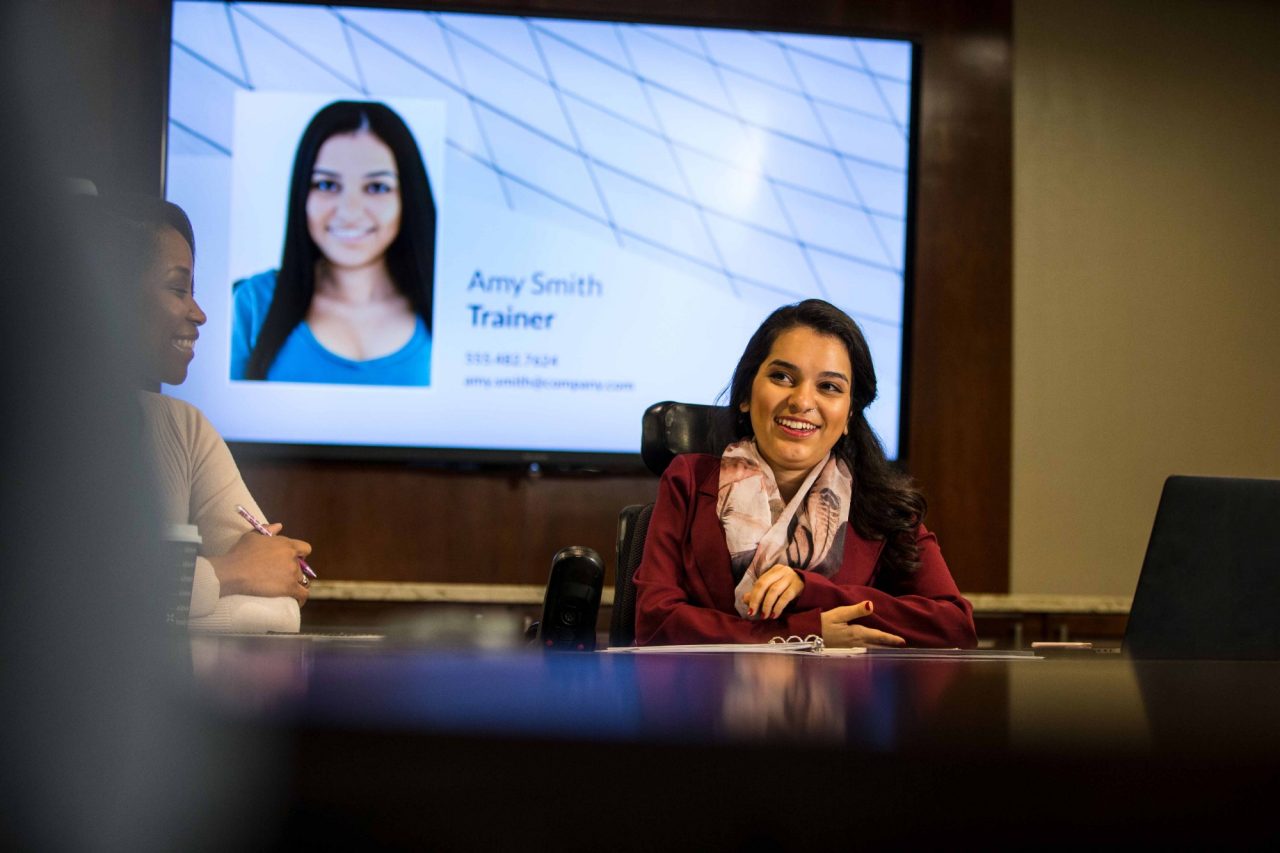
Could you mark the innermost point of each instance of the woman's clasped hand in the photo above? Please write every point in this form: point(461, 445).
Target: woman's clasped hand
point(264, 565)
point(780, 585)
point(773, 591)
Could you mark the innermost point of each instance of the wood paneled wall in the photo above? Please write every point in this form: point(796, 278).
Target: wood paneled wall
point(392, 521)
point(389, 521)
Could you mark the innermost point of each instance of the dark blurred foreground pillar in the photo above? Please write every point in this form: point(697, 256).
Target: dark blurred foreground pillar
point(104, 744)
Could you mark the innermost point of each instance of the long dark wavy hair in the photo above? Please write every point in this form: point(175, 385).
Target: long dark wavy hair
point(886, 504)
point(410, 257)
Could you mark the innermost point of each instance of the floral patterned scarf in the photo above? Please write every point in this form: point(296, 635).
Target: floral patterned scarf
point(761, 531)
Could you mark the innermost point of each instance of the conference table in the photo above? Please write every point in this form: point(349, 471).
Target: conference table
point(397, 745)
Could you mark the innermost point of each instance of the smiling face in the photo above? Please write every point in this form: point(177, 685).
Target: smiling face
point(173, 317)
point(353, 207)
point(800, 400)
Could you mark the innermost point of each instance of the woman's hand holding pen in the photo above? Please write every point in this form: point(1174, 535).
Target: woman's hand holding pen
point(838, 630)
point(263, 565)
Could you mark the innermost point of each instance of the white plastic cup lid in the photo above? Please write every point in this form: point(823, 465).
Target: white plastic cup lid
point(183, 533)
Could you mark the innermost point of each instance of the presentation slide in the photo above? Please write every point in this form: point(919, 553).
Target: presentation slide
point(569, 220)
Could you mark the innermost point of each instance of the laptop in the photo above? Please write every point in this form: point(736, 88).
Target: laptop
point(1210, 582)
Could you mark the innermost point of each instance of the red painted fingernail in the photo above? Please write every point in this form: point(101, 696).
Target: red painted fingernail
point(751, 611)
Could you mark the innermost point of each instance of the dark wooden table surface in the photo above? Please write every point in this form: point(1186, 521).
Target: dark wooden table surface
point(396, 746)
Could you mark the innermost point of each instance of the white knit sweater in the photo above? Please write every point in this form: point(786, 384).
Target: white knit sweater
point(201, 485)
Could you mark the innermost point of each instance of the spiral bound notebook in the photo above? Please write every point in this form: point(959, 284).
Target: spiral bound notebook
point(813, 645)
point(778, 645)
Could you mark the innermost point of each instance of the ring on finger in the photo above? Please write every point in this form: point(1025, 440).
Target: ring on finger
point(305, 581)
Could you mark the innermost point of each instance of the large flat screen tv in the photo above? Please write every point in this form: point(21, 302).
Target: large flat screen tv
point(602, 214)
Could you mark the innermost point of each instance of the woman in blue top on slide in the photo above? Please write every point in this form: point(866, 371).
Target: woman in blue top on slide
point(351, 302)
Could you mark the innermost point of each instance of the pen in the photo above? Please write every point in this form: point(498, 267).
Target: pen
point(261, 528)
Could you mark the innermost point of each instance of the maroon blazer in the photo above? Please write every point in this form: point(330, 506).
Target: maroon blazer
point(684, 586)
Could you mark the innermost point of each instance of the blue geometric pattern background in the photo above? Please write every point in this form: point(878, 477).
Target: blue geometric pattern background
point(773, 163)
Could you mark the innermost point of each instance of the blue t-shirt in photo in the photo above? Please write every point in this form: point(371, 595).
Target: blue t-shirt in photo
point(305, 359)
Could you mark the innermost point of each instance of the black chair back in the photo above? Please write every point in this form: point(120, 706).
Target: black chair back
point(633, 526)
point(669, 429)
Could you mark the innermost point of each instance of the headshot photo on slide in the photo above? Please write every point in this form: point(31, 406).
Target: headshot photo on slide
point(334, 213)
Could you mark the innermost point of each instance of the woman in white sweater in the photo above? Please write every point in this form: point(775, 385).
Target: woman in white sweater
point(243, 581)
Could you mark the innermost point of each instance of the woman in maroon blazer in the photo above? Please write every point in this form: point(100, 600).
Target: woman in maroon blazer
point(801, 526)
